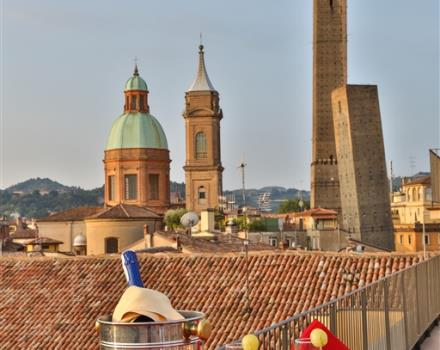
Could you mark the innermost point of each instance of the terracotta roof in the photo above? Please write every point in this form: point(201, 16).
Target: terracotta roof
point(72, 214)
point(420, 180)
point(219, 244)
point(317, 212)
point(125, 211)
point(280, 285)
point(24, 233)
point(44, 240)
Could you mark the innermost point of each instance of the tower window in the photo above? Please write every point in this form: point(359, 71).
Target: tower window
point(202, 195)
point(130, 182)
point(154, 186)
point(141, 102)
point(111, 187)
point(201, 146)
point(133, 102)
point(111, 245)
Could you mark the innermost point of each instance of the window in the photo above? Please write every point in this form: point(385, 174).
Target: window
point(154, 186)
point(202, 195)
point(111, 245)
point(133, 102)
point(111, 188)
point(409, 239)
point(141, 102)
point(427, 240)
point(273, 241)
point(401, 239)
point(201, 146)
point(130, 182)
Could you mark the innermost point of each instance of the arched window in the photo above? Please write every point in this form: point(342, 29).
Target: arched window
point(133, 103)
point(414, 194)
point(201, 146)
point(111, 245)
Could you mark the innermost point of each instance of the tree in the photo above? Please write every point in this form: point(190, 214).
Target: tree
point(291, 205)
point(173, 216)
point(257, 226)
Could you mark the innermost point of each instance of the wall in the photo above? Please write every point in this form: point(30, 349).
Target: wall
point(63, 231)
point(126, 231)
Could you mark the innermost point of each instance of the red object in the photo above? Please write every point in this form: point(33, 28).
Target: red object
point(333, 342)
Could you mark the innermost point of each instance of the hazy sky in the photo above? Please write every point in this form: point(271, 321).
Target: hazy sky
point(65, 63)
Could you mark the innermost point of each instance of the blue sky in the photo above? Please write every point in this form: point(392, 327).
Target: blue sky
point(64, 65)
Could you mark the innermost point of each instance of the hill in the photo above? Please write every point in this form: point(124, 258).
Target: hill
point(37, 198)
point(43, 185)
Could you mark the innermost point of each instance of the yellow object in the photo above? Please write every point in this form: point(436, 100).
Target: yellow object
point(250, 342)
point(318, 338)
point(137, 301)
point(202, 329)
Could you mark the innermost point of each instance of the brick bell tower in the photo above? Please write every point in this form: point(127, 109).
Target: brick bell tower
point(329, 73)
point(203, 167)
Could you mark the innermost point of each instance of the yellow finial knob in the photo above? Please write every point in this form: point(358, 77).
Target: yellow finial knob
point(318, 338)
point(250, 342)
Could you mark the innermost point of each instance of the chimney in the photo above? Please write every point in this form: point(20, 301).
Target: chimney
point(148, 237)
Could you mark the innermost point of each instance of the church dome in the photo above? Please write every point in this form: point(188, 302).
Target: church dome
point(136, 130)
point(136, 82)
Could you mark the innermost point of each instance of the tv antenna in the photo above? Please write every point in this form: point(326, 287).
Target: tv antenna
point(242, 167)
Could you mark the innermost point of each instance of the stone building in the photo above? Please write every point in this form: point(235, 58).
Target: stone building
point(329, 73)
point(203, 167)
point(364, 187)
point(136, 161)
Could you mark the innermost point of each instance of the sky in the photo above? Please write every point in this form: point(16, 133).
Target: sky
point(64, 65)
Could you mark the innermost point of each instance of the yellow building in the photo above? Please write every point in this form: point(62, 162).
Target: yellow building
point(410, 204)
point(413, 208)
point(43, 244)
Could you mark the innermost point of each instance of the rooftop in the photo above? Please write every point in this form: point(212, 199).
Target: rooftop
point(72, 214)
point(280, 285)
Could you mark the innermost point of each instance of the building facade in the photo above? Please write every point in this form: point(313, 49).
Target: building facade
point(203, 167)
point(412, 202)
point(329, 73)
point(364, 187)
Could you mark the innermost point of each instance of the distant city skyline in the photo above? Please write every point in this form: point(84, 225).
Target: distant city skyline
point(64, 66)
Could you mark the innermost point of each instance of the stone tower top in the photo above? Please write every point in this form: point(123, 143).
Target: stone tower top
point(201, 82)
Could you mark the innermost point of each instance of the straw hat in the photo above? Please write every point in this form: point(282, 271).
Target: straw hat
point(137, 301)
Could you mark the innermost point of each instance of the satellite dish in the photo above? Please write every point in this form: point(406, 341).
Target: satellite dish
point(189, 219)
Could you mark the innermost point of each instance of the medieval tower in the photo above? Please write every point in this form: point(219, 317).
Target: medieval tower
point(364, 186)
point(329, 73)
point(203, 167)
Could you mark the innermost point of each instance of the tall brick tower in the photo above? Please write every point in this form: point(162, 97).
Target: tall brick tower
point(329, 73)
point(203, 167)
point(366, 209)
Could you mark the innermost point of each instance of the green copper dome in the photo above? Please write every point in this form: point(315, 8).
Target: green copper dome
point(136, 83)
point(136, 130)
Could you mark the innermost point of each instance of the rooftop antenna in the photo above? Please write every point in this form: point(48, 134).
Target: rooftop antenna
point(243, 188)
point(412, 165)
point(201, 39)
point(391, 177)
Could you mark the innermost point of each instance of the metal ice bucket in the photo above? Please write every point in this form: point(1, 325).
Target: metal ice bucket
point(185, 334)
